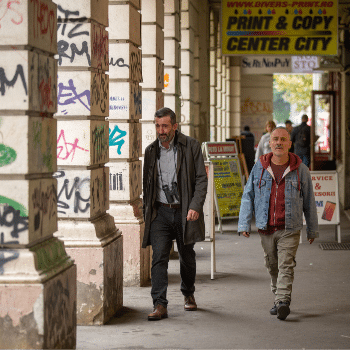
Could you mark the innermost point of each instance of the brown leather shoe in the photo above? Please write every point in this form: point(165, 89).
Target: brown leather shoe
point(190, 303)
point(158, 313)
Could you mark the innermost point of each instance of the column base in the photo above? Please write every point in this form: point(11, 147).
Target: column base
point(128, 218)
point(97, 248)
point(39, 315)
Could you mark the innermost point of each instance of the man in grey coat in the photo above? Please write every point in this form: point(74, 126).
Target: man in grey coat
point(174, 191)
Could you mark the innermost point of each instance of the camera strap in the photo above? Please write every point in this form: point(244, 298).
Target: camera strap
point(160, 169)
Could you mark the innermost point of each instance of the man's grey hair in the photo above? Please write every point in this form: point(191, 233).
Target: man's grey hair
point(166, 112)
point(281, 127)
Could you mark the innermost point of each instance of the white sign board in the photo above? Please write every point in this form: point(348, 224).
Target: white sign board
point(325, 185)
point(279, 64)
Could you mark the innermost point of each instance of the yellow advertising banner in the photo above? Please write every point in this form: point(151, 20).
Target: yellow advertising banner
point(228, 186)
point(300, 28)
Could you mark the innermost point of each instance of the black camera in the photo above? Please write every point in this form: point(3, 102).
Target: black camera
point(170, 194)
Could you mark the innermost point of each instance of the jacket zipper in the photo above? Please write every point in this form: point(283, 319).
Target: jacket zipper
point(274, 212)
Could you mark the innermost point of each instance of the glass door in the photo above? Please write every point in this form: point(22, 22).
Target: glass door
point(322, 128)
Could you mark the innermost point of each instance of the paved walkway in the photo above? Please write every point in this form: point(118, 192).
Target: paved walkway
point(234, 307)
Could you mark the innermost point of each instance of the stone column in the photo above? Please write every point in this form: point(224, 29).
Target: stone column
point(224, 124)
point(89, 233)
point(218, 90)
point(234, 95)
point(172, 56)
point(189, 25)
point(37, 277)
point(125, 135)
point(213, 76)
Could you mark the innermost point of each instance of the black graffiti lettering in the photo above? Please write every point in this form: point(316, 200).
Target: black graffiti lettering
point(120, 63)
point(10, 83)
point(63, 46)
point(67, 18)
point(10, 217)
point(67, 194)
point(99, 92)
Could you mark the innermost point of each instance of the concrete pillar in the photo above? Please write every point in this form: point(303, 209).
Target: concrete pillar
point(234, 101)
point(219, 135)
point(213, 75)
point(89, 233)
point(172, 56)
point(202, 71)
point(37, 277)
point(224, 124)
point(256, 102)
point(125, 135)
point(189, 30)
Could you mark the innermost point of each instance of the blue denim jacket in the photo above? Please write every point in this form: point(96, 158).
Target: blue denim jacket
point(299, 199)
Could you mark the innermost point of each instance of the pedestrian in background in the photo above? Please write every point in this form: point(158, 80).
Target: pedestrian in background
point(289, 128)
point(248, 147)
point(264, 146)
point(301, 140)
point(278, 192)
point(174, 191)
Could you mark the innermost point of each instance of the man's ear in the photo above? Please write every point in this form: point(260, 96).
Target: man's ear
point(175, 126)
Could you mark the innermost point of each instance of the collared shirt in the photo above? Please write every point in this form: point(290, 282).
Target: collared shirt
point(166, 170)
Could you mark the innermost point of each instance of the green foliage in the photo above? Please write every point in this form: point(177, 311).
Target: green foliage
point(281, 108)
point(294, 88)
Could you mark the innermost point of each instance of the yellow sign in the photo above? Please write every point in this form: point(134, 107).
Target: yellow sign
point(228, 186)
point(300, 28)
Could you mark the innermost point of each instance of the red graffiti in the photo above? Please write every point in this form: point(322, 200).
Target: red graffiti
point(45, 92)
point(44, 20)
point(100, 45)
point(8, 9)
point(67, 148)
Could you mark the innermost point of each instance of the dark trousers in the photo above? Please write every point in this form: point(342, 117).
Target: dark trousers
point(166, 227)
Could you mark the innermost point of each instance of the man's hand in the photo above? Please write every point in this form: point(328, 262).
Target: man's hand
point(311, 240)
point(246, 234)
point(192, 215)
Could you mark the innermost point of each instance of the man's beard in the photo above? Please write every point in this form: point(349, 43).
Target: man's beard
point(165, 137)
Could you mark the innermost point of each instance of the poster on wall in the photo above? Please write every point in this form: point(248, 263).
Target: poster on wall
point(279, 27)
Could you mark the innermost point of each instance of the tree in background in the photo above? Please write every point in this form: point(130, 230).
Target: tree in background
point(294, 89)
point(281, 108)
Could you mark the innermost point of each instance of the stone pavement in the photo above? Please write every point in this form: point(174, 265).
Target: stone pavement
point(234, 307)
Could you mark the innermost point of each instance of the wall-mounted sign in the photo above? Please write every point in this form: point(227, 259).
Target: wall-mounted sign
point(279, 27)
point(279, 64)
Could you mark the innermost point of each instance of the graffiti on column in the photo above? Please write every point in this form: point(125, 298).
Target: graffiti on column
point(67, 95)
point(116, 182)
point(13, 221)
point(44, 19)
point(73, 194)
point(7, 154)
point(66, 149)
point(100, 144)
point(117, 139)
point(11, 10)
point(99, 92)
point(68, 31)
point(99, 196)
point(100, 45)
point(136, 92)
point(44, 201)
point(6, 83)
point(131, 61)
point(44, 150)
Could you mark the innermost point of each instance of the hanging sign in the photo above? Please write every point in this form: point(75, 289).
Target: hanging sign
point(279, 64)
point(279, 27)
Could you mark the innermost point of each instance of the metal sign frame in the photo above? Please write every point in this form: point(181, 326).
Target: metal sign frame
point(224, 151)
